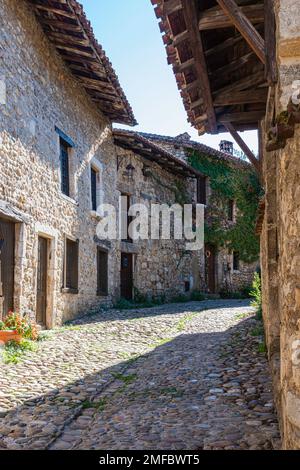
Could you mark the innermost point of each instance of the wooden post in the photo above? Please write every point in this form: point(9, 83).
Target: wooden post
point(245, 27)
point(191, 18)
point(270, 42)
point(243, 145)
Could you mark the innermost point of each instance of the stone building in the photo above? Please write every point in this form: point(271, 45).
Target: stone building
point(222, 269)
point(57, 161)
point(161, 268)
point(237, 66)
point(60, 160)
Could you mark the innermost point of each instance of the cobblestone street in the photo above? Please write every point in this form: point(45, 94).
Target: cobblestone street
point(180, 376)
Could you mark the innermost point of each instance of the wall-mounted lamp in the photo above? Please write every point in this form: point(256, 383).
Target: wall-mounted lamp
point(129, 171)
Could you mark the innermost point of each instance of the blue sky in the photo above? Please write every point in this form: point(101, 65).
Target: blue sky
point(128, 31)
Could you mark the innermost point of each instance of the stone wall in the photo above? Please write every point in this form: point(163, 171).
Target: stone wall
point(162, 267)
point(42, 94)
point(280, 239)
point(227, 278)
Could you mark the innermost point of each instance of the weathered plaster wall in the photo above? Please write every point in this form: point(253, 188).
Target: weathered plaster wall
point(42, 94)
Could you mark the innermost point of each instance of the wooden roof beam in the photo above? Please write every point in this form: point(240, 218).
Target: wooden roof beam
point(247, 116)
point(180, 38)
point(233, 65)
point(245, 27)
point(241, 97)
point(242, 84)
point(57, 11)
point(184, 65)
point(191, 19)
point(242, 144)
point(217, 18)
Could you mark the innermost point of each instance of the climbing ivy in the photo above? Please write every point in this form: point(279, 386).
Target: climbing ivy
point(230, 183)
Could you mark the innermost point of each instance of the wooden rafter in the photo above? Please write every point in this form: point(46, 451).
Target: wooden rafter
point(217, 18)
point(65, 24)
point(245, 27)
point(241, 97)
point(246, 116)
point(242, 144)
point(270, 41)
point(191, 15)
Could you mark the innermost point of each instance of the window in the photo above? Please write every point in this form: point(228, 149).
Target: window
point(230, 210)
point(94, 177)
point(236, 261)
point(96, 172)
point(71, 266)
point(201, 190)
point(126, 219)
point(187, 286)
point(102, 272)
point(64, 166)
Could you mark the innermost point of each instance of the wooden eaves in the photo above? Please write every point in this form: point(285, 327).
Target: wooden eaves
point(135, 142)
point(223, 57)
point(65, 24)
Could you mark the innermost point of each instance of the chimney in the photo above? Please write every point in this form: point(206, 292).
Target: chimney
point(226, 146)
point(183, 137)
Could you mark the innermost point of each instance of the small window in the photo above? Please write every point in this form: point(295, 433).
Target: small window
point(126, 219)
point(65, 166)
point(102, 272)
point(230, 210)
point(94, 180)
point(201, 190)
point(236, 261)
point(71, 265)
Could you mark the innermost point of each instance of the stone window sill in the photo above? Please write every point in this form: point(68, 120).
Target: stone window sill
point(68, 290)
point(105, 295)
point(96, 215)
point(69, 199)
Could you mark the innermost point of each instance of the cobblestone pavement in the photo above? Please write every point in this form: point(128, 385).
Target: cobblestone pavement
point(180, 376)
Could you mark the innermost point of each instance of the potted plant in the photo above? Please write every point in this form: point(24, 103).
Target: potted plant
point(15, 327)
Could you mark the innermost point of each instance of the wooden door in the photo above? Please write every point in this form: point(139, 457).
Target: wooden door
point(126, 276)
point(7, 265)
point(41, 297)
point(210, 264)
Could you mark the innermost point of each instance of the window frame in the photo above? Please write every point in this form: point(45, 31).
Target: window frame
point(230, 210)
point(64, 146)
point(71, 289)
point(97, 167)
point(202, 191)
point(235, 261)
point(102, 292)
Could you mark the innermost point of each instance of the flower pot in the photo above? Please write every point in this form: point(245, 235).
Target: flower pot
point(284, 130)
point(9, 335)
point(275, 144)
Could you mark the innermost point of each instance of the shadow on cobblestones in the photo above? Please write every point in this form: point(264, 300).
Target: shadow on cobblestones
point(201, 386)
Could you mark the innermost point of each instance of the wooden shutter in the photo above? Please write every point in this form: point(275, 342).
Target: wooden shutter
point(72, 251)
point(102, 272)
point(94, 188)
point(201, 190)
point(64, 165)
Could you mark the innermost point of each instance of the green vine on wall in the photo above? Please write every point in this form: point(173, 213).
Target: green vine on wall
point(230, 183)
